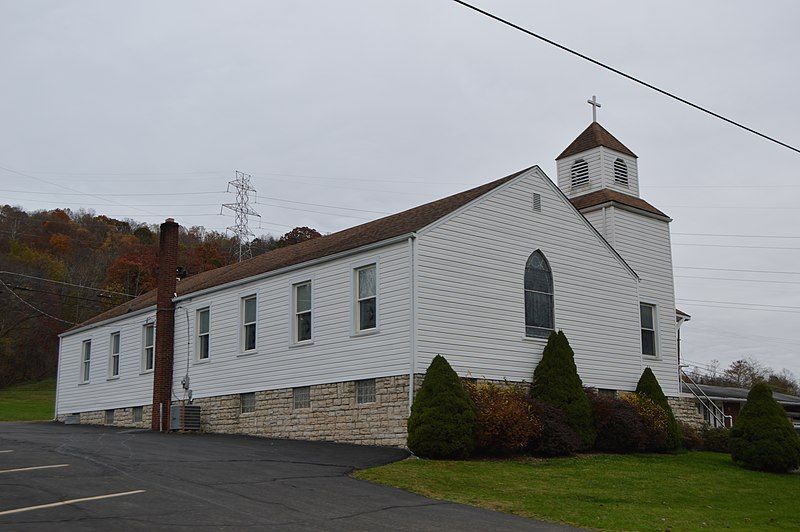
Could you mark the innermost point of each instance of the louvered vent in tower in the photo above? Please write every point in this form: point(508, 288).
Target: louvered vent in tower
point(620, 172)
point(580, 173)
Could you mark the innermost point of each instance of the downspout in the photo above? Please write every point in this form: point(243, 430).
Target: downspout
point(58, 375)
point(412, 249)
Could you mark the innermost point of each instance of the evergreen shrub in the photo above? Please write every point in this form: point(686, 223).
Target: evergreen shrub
point(716, 439)
point(556, 382)
point(505, 422)
point(649, 387)
point(655, 419)
point(442, 420)
point(618, 425)
point(763, 437)
point(556, 437)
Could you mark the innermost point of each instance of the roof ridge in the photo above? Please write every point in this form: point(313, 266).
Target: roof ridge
point(593, 136)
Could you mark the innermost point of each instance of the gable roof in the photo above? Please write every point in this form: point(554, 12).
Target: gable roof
point(593, 136)
point(606, 195)
point(395, 225)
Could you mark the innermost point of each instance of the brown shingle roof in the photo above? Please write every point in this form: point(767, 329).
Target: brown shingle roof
point(593, 136)
point(606, 195)
point(369, 233)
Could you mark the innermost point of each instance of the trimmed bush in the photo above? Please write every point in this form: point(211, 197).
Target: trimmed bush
point(655, 419)
point(649, 387)
point(556, 437)
point(505, 420)
point(716, 439)
point(618, 425)
point(442, 420)
point(762, 437)
point(556, 382)
point(692, 438)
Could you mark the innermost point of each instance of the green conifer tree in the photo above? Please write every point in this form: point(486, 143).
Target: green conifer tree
point(556, 382)
point(649, 387)
point(442, 421)
point(762, 436)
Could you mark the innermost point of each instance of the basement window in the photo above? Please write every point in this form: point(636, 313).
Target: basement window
point(301, 397)
point(365, 391)
point(136, 412)
point(110, 417)
point(248, 402)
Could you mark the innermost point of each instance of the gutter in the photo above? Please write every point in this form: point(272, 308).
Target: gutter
point(251, 279)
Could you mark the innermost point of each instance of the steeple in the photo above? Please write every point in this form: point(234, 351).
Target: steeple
point(595, 160)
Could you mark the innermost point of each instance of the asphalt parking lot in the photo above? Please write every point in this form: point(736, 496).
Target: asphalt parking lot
point(90, 478)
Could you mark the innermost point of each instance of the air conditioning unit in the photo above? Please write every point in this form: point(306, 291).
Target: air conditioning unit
point(184, 417)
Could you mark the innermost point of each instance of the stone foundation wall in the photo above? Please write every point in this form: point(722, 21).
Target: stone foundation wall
point(685, 409)
point(123, 417)
point(333, 414)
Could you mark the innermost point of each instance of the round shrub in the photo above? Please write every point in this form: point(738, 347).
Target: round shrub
point(762, 437)
point(716, 439)
point(649, 387)
point(442, 420)
point(692, 438)
point(655, 420)
point(505, 422)
point(618, 425)
point(556, 382)
point(556, 437)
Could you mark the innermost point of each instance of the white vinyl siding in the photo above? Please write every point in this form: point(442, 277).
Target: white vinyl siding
point(86, 360)
point(113, 356)
point(470, 284)
point(148, 347)
point(203, 333)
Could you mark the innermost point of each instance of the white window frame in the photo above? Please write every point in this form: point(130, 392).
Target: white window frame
point(145, 347)
point(86, 361)
point(654, 309)
point(243, 325)
point(295, 341)
point(355, 311)
point(199, 335)
point(112, 355)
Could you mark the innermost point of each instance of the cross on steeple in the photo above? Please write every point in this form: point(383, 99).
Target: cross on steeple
point(593, 102)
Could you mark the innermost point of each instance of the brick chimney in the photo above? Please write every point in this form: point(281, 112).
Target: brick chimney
point(165, 323)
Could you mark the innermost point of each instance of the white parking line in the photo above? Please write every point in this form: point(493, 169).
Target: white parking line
point(9, 451)
point(71, 501)
point(32, 468)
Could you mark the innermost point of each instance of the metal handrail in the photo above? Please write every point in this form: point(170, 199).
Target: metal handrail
point(716, 410)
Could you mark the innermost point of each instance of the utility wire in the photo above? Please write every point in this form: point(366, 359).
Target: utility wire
point(737, 236)
point(40, 311)
point(64, 283)
point(732, 246)
point(735, 270)
point(739, 280)
point(739, 303)
point(627, 76)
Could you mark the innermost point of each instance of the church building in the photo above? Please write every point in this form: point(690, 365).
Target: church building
point(329, 339)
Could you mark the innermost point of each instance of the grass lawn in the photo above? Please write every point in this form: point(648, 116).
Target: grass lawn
point(28, 402)
point(618, 492)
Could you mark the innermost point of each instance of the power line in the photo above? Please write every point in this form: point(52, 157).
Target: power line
point(29, 289)
point(736, 270)
point(736, 236)
point(114, 194)
point(65, 284)
point(40, 311)
point(737, 207)
point(627, 76)
point(745, 308)
point(732, 246)
point(738, 303)
point(739, 280)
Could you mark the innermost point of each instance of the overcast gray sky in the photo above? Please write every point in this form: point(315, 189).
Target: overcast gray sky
point(383, 105)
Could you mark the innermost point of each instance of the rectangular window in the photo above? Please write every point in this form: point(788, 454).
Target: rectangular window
point(366, 298)
point(249, 306)
point(302, 312)
point(149, 347)
point(648, 321)
point(137, 414)
point(203, 333)
point(110, 417)
point(248, 401)
point(86, 360)
point(365, 391)
point(301, 397)
point(113, 360)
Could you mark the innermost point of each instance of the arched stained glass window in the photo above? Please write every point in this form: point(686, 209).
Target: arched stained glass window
point(538, 297)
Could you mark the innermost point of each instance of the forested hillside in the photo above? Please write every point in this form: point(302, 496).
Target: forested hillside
point(81, 249)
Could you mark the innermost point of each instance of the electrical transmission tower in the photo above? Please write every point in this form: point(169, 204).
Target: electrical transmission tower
point(242, 210)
